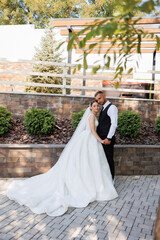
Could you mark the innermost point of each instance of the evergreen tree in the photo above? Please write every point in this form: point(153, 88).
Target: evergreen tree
point(46, 52)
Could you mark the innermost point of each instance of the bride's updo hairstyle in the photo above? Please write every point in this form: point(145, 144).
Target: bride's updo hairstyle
point(93, 101)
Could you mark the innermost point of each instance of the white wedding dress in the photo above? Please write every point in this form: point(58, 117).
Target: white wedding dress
point(80, 176)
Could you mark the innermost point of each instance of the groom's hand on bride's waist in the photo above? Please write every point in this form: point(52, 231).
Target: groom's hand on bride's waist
point(106, 141)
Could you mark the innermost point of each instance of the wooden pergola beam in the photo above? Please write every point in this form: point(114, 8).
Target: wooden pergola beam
point(106, 46)
point(64, 22)
point(150, 30)
point(94, 40)
point(103, 51)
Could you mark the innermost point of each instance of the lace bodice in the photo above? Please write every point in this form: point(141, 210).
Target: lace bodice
point(96, 122)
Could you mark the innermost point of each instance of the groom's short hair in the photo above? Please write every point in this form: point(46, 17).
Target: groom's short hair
point(99, 92)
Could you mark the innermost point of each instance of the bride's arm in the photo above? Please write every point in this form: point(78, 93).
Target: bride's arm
point(92, 127)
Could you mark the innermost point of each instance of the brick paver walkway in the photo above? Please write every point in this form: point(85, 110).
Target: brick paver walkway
point(129, 217)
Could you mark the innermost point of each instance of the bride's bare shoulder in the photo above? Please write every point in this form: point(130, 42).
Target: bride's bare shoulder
point(91, 114)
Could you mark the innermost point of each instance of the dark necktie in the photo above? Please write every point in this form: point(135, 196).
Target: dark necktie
point(101, 110)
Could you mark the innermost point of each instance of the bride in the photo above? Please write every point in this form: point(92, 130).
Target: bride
point(80, 176)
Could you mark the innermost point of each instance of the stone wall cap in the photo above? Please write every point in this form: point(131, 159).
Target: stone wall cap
point(75, 96)
point(137, 146)
point(23, 146)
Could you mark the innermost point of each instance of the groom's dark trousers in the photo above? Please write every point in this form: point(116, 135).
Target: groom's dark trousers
point(102, 130)
point(109, 152)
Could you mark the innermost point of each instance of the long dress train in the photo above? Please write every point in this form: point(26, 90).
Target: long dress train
point(80, 176)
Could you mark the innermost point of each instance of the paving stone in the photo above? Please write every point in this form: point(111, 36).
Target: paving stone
point(122, 235)
point(20, 232)
point(33, 231)
point(149, 237)
point(3, 236)
point(147, 231)
point(37, 236)
point(54, 233)
point(27, 236)
point(44, 237)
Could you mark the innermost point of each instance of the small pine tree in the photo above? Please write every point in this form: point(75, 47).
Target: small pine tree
point(46, 52)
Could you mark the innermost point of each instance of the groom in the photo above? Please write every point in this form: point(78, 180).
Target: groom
point(107, 127)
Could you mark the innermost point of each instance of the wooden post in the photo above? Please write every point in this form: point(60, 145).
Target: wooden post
point(64, 80)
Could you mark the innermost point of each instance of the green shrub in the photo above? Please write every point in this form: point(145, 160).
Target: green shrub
point(157, 125)
point(39, 121)
point(5, 120)
point(76, 117)
point(129, 123)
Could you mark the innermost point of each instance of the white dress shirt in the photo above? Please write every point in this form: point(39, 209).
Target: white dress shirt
point(113, 114)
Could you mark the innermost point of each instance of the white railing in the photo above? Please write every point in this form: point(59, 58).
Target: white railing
point(64, 76)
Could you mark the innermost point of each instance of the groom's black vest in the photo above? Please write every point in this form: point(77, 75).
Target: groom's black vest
point(104, 123)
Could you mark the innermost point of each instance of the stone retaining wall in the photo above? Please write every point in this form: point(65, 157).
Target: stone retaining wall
point(18, 160)
point(64, 106)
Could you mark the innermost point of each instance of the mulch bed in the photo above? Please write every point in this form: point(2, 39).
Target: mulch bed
point(63, 132)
